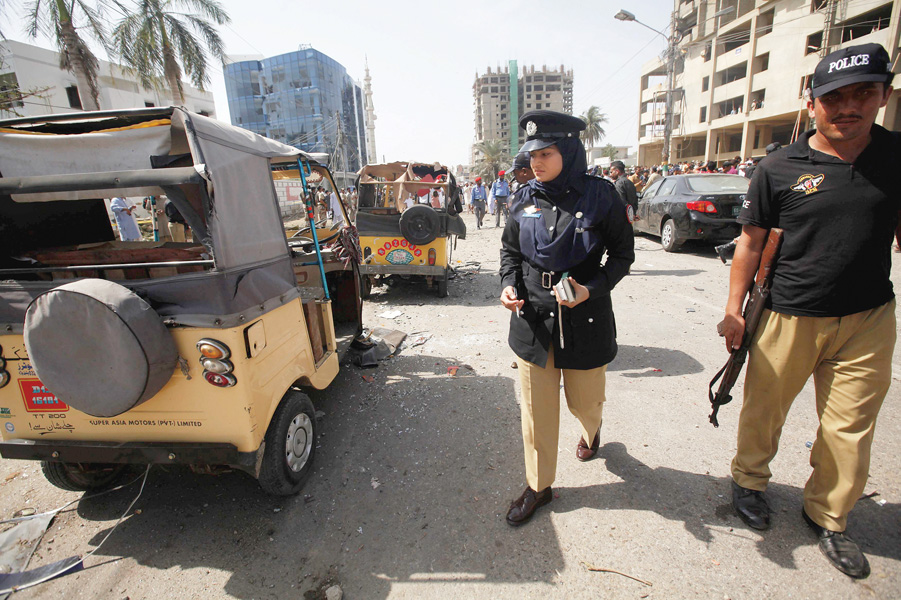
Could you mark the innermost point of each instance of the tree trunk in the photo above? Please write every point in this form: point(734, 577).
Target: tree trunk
point(87, 89)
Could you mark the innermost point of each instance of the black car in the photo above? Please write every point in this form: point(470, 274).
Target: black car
point(692, 207)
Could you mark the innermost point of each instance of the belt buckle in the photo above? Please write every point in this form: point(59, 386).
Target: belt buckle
point(546, 280)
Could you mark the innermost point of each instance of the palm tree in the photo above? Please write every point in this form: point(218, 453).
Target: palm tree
point(157, 41)
point(55, 19)
point(494, 156)
point(593, 132)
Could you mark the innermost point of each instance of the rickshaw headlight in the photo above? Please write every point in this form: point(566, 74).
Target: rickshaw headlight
point(4, 378)
point(213, 349)
point(217, 366)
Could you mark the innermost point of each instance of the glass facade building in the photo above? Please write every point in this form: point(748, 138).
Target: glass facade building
point(299, 99)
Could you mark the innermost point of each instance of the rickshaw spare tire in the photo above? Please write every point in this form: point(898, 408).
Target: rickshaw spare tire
point(420, 224)
point(98, 347)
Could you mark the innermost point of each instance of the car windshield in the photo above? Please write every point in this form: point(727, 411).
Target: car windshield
point(711, 184)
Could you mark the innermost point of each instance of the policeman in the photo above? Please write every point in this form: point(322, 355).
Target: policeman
point(479, 197)
point(832, 308)
point(521, 170)
point(562, 223)
point(500, 191)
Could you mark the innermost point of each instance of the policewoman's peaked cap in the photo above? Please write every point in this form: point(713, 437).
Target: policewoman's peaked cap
point(547, 127)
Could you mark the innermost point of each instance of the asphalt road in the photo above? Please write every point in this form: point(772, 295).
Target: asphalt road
point(416, 470)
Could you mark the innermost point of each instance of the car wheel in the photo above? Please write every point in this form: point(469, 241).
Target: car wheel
point(290, 446)
point(668, 236)
point(81, 477)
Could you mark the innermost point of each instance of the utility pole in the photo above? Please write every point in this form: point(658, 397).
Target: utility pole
point(671, 51)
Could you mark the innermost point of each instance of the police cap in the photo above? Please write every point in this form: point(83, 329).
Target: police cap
point(546, 127)
point(521, 161)
point(854, 64)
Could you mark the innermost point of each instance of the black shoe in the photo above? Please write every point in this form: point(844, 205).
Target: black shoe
point(751, 507)
point(721, 252)
point(842, 551)
point(522, 509)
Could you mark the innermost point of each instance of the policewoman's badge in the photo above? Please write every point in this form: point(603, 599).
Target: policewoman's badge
point(531, 128)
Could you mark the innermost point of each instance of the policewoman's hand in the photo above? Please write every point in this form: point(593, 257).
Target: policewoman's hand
point(732, 327)
point(508, 299)
point(581, 292)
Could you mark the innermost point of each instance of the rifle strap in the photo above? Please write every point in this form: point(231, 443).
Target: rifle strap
point(713, 403)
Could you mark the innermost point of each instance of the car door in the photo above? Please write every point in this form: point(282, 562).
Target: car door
point(660, 204)
point(644, 200)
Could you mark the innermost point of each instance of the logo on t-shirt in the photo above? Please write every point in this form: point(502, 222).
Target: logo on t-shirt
point(808, 183)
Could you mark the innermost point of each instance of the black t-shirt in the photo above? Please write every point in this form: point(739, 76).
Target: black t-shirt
point(839, 221)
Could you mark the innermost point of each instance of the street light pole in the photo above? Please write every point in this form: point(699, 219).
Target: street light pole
point(671, 50)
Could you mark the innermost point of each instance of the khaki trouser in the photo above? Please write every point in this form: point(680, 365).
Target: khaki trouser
point(851, 362)
point(541, 412)
point(177, 231)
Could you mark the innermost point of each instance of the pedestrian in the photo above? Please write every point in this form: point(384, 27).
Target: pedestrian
point(500, 190)
point(178, 227)
point(125, 220)
point(654, 176)
point(832, 308)
point(624, 188)
point(562, 224)
point(479, 197)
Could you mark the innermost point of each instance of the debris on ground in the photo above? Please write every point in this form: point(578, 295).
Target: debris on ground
point(334, 593)
point(452, 371)
point(514, 365)
point(419, 340)
point(376, 345)
point(391, 314)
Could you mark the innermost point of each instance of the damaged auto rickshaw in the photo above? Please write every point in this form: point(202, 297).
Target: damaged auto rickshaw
point(196, 353)
point(399, 234)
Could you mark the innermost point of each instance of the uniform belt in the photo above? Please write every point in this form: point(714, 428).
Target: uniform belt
point(547, 279)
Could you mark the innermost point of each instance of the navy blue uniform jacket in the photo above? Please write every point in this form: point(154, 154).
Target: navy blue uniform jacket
point(589, 328)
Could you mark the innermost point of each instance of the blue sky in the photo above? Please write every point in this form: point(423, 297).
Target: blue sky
point(423, 57)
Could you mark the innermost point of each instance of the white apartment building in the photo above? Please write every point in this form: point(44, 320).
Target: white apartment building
point(26, 67)
point(742, 69)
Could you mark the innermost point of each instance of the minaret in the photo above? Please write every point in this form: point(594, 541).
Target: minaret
point(372, 157)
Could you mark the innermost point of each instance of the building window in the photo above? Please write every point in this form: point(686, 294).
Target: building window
point(805, 85)
point(149, 104)
point(816, 5)
point(705, 85)
point(494, 89)
point(539, 88)
point(528, 106)
point(865, 24)
point(538, 96)
point(528, 88)
point(814, 43)
point(763, 62)
point(765, 22)
point(703, 114)
point(74, 99)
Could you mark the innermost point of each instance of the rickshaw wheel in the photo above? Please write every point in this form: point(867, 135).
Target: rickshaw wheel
point(290, 446)
point(77, 477)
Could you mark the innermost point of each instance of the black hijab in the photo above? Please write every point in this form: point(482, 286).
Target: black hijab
point(574, 166)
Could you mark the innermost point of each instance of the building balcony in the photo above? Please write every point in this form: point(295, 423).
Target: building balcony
point(657, 91)
point(730, 90)
point(733, 57)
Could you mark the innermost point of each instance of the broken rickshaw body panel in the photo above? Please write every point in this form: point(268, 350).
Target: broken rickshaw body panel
point(246, 311)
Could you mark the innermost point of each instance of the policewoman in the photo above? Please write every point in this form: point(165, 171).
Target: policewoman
point(563, 222)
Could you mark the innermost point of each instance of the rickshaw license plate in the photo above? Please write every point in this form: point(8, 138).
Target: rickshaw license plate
point(38, 398)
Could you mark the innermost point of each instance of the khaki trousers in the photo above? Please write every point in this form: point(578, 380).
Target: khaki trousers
point(851, 362)
point(177, 232)
point(541, 412)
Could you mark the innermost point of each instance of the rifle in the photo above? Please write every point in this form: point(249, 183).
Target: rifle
point(760, 291)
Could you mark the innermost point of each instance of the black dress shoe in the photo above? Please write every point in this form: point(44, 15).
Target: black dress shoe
point(751, 507)
point(584, 452)
point(842, 551)
point(522, 509)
